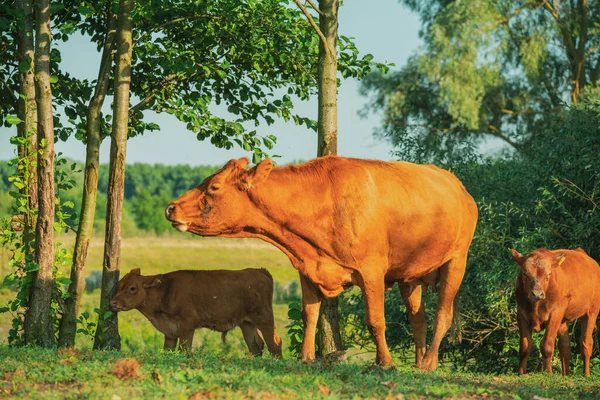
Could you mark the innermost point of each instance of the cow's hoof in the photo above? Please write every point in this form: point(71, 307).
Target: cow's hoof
point(308, 359)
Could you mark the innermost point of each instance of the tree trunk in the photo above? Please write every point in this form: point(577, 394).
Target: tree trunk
point(68, 323)
point(328, 330)
point(28, 113)
point(107, 332)
point(38, 320)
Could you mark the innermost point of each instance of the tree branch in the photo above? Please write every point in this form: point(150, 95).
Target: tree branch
point(139, 106)
point(314, 6)
point(494, 131)
point(174, 21)
point(315, 27)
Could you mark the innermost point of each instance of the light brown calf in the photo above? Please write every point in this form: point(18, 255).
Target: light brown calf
point(554, 288)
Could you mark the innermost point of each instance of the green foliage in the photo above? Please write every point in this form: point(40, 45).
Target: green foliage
point(488, 68)
point(295, 329)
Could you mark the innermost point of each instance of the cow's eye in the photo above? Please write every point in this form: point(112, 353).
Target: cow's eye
point(214, 187)
point(132, 289)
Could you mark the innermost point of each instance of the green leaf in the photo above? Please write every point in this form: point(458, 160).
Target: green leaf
point(53, 79)
point(13, 119)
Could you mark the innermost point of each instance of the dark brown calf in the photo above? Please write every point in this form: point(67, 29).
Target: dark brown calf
point(178, 302)
point(554, 288)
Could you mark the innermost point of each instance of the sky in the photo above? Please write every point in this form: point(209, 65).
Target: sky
point(388, 31)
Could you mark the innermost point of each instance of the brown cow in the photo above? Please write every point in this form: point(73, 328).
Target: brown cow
point(554, 288)
point(344, 222)
point(178, 302)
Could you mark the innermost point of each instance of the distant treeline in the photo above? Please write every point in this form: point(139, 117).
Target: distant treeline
point(148, 190)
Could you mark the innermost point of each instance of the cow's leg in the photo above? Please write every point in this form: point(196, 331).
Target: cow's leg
point(588, 323)
point(311, 305)
point(373, 291)
point(549, 339)
point(252, 339)
point(525, 344)
point(412, 295)
point(564, 348)
point(170, 343)
point(451, 276)
point(185, 341)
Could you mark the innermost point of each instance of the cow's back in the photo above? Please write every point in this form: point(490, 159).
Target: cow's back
point(419, 215)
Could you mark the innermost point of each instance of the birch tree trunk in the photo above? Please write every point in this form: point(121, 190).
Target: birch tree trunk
point(68, 323)
point(107, 332)
point(328, 330)
point(38, 321)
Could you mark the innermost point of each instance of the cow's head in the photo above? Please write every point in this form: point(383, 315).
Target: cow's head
point(220, 203)
point(536, 269)
point(132, 290)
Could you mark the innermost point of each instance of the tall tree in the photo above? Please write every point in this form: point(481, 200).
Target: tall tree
point(38, 320)
point(328, 337)
point(488, 69)
point(68, 322)
point(107, 332)
point(27, 112)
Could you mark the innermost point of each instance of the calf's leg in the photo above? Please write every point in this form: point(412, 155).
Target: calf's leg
point(412, 296)
point(252, 339)
point(547, 344)
point(564, 348)
point(451, 276)
point(588, 323)
point(170, 343)
point(185, 341)
point(311, 305)
point(525, 343)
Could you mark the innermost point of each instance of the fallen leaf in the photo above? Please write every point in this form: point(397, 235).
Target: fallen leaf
point(323, 389)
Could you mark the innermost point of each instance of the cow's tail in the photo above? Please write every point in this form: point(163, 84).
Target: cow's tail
point(455, 327)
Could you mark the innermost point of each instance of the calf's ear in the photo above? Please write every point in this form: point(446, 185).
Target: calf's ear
point(135, 271)
point(559, 258)
point(518, 257)
point(155, 283)
point(257, 174)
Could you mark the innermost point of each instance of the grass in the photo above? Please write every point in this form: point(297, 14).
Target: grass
point(36, 373)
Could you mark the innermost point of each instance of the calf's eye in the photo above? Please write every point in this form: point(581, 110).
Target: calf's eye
point(132, 289)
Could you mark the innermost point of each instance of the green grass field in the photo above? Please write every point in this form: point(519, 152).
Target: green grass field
point(217, 371)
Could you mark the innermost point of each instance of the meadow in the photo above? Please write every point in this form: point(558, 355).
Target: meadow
point(214, 370)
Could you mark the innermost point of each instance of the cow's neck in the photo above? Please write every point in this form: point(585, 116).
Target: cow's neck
point(286, 215)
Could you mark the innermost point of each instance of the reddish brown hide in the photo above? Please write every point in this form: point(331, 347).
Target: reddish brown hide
point(554, 288)
point(178, 302)
point(344, 222)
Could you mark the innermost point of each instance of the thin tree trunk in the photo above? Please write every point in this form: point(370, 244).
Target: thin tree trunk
point(38, 319)
point(107, 332)
point(328, 330)
point(68, 323)
point(28, 113)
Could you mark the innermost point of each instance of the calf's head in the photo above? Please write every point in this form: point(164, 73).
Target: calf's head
point(220, 203)
point(132, 290)
point(536, 269)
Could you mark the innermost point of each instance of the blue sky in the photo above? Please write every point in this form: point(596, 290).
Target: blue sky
point(388, 31)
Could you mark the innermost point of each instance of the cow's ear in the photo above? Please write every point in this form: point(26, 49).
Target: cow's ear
point(559, 258)
point(518, 257)
point(135, 271)
point(257, 174)
point(240, 163)
point(155, 283)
